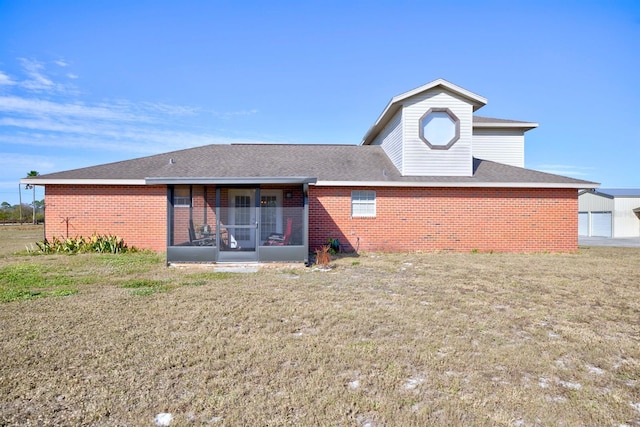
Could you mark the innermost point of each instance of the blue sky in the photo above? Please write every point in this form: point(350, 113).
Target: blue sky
point(85, 83)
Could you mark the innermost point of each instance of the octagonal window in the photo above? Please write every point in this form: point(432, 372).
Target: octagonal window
point(439, 128)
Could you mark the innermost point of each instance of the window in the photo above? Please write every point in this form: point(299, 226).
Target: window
point(182, 197)
point(363, 203)
point(439, 128)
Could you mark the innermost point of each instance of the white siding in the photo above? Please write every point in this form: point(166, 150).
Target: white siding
point(583, 223)
point(499, 145)
point(625, 221)
point(601, 224)
point(589, 202)
point(419, 159)
point(391, 140)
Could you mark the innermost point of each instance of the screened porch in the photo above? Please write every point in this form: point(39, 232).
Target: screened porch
point(240, 223)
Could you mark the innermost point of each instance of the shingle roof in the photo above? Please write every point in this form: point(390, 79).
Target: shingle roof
point(619, 192)
point(481, 121)
point(327, 163)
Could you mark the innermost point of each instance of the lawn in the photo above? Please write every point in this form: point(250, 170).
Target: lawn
point(379, 340)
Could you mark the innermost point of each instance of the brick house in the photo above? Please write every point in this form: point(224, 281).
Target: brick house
point(428, 175)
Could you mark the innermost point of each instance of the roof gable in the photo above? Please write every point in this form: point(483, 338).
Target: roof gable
point(475, 100)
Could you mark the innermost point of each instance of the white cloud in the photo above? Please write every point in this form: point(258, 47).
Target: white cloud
point(65, 121)
point(231, 114)
point(6, 80)
point(19, 161)
point(566, 170)
point(48, 125)
point(112, 138)
point(40, 108)
point(37, 81)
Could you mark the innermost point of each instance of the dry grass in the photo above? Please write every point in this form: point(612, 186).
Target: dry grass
point(394, 339)
point(14, 238)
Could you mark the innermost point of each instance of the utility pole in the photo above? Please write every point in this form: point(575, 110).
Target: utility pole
point(33, 187)
point(33, 204)
point(20, 205)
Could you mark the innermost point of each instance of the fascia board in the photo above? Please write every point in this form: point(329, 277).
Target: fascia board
point(479, 101)
point(60, 181)
point(456, 184)
point(601, 194)
point(231, 180)
point(170, 180)
point(521, 125)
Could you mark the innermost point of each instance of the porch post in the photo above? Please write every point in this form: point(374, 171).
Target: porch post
point(170, 218)
point(305, 221)
point(218, 240)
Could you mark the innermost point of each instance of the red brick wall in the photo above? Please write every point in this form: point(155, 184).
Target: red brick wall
point(407, 219)
point(458, 219)
point(138, 214)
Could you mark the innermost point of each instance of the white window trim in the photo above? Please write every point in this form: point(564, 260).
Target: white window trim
point(356, 200)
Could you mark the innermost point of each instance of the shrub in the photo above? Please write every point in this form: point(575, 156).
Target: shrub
point(72, 245)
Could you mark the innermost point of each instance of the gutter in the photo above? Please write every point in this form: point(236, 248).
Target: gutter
point(437, 184)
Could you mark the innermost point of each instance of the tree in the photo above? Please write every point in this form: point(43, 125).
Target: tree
point(5, 211)
point(39, 206)
point(33, 187)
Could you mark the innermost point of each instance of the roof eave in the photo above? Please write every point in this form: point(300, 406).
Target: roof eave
point(451, 184)
point(477, 100)
point(230, 180)
point(90, 181)
point(522, 125)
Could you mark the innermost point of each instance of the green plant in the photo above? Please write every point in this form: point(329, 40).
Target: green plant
point(334, 245)
point(72, 245)
point(145, 287)
point(26, 281)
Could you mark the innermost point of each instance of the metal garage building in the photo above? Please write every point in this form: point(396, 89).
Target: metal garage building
point(611, 212)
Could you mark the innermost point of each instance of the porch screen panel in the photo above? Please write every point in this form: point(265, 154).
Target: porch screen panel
point(243, 216)
point(268, 216)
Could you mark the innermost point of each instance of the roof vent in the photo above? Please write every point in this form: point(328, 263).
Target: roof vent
point(171, 161)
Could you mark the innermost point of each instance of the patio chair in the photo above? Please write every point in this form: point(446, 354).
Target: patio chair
point(194, 241)
point(279, 239)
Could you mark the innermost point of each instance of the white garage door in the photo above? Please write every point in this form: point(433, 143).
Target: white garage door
point(583, 223)
point(601, 224)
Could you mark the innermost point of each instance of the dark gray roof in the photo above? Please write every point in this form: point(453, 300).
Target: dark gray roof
point(619, 192)
point(342, 163)
point(482, 119)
